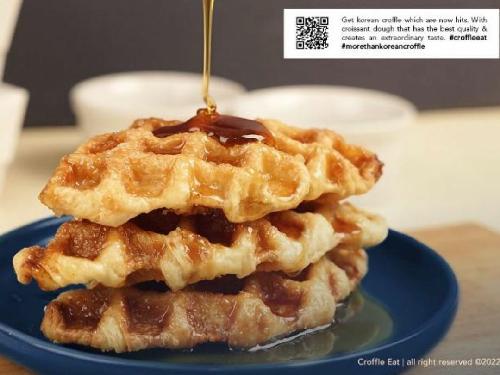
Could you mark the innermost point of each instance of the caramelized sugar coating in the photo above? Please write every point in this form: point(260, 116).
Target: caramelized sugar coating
point(115, 177)
point(185, 250)
point(268, 306)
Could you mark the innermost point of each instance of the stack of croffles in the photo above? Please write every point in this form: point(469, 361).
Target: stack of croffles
point(184, 240)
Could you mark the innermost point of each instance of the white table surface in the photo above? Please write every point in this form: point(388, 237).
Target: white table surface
point(450, 174)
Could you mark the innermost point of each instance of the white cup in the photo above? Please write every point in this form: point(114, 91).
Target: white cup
point(13, 102)
point(9, 11)
point(113, 102)
point(374, 119)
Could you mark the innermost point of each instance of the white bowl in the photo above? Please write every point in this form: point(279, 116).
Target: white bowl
point(112, 102)
point(374, 119)
point(347, 109)
point(13, 102)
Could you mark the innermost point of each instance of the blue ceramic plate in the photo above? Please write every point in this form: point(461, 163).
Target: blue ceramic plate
point(405, 306)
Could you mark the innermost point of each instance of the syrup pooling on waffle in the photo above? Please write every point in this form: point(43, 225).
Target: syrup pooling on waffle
point(184, 250)
point(115, 177)
point(229, 130)
point(262, 307)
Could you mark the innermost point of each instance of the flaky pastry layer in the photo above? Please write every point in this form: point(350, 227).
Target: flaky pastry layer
point(268, 306)
point(87, 253)
point(115, 177)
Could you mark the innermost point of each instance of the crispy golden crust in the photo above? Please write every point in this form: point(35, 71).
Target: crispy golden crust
point(83, 252)
point(115, 177)
point(268, 306)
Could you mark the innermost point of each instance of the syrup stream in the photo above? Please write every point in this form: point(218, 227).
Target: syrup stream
point(208, 11)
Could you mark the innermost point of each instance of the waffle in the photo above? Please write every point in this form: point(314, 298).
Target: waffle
point(266, 306)
point(115, 177)
point(194, 248)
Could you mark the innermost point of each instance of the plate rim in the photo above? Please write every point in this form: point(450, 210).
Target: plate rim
point(447, 309)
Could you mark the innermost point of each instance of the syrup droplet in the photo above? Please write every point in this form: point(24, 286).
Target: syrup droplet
point(229, 130)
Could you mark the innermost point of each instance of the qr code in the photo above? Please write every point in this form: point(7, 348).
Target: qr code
point(311, 32)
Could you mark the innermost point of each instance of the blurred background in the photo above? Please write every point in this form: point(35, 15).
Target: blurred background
point(58, 43)
point(435, 123)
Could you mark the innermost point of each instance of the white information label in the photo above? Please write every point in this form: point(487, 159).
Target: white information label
point(391, 33)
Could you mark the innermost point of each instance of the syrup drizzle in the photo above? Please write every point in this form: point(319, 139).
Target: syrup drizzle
point(208, 11)
point(229, 130)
